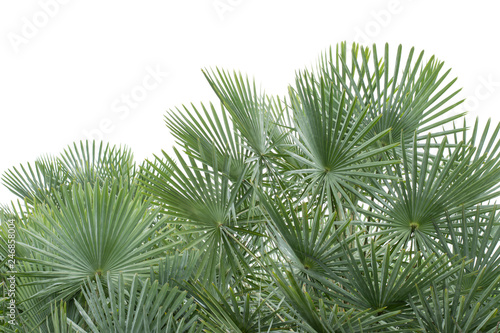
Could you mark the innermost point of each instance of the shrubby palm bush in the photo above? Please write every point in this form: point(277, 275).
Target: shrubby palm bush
point(360, 202)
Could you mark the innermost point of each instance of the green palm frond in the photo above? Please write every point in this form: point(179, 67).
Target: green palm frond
point(144, 306)
point(91, 231)
point(34, 183)
point(430, 189)
point(92, 163)
point(310, 239)
point(249, 109)
point(386, 282)
point(59, 321)
point(177, 268)
point(202, 133)
point(87, 162)
point(447, 308)
point(486, 145)
point(37, 314)
point(236, 312)
point(319, 315)
point(56, 322)
point(206, 203)
point(475, 239)
point(257, 119)
point(409, 95)
point(333, 140)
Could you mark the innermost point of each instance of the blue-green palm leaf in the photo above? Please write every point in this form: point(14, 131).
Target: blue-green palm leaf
point(309, 239)
point(447, 307)
point(474, 238)
point(410, 95)
point(333, 140)
point(78, 164)
point(236, 312)
point(203, 132)
point(91, 231)
point(142, 306)
point(208, 206)
point(320, 315)
point(430, 188)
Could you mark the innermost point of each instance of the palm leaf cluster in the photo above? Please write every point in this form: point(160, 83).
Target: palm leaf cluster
point(359, 202)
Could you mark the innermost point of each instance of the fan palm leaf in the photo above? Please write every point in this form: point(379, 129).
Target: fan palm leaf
point(202, 133)
point(78, 164)
point(448, 309)
point(335, 146)
point(141, 307)
point(91, 230)
point(430, 189)
point(476, 240)
point(236, 312)
point(206, 204)
point(409, 95)
point(309, 239)
point(318, 315)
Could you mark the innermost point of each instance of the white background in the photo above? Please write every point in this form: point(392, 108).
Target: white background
point(66, 65)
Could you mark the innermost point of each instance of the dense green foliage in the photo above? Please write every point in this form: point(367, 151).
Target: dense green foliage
point(360, 202)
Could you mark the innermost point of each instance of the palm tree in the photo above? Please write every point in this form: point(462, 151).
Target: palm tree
point(359, 202)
